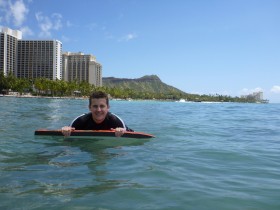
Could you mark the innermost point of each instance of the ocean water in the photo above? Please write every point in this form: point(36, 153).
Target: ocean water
point(205, 156)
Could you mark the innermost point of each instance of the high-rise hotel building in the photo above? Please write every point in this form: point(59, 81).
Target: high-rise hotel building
point(39, 59)
point(44, 59)
point(80, 67)
point(8, 50)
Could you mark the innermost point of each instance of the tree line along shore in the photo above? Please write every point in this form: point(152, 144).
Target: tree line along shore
point(42, 87)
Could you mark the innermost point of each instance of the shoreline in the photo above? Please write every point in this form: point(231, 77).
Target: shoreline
point(114, 99)
point(82, 98)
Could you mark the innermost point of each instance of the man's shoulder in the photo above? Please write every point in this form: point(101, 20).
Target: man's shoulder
point(85, 116)
point(82, 117)
point(110, 115)
point(116, 121)
point(81, 120)
point(115, 118)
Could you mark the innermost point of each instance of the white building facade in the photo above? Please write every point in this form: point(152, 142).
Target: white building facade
point(8, 50)
point(80, 67)
point(39, 59)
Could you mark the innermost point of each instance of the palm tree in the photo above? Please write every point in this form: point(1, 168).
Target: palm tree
point(3, 82)
point(21, 85)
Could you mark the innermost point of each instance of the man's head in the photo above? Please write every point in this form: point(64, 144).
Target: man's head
point(97, 95)
point(99, 106)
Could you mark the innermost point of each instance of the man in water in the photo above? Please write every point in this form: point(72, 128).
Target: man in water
point(99, 117)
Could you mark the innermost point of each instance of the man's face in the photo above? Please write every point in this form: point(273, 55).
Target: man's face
point(99, 109)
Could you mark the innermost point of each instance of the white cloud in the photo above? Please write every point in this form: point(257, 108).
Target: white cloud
point(13, 13)
point(44, 24)
point(128, 37)
point(5, 13)
point(246, 91)
point(18, 12)
point(48, 24)
point(57, 21)
point(26, 31)
point(275, 89)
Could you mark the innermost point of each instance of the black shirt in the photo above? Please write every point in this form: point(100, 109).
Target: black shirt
point(85, 122)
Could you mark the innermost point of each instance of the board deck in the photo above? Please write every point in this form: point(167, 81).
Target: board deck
point(92, 133)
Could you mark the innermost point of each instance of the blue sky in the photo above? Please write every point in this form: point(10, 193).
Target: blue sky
point(228, 47)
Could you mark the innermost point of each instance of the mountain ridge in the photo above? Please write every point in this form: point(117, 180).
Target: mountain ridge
point(147, 83)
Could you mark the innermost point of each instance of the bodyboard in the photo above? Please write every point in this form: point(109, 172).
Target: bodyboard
point(92, 134)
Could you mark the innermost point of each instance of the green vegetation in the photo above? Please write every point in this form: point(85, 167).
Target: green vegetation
point(151, 87)
point(147, 87)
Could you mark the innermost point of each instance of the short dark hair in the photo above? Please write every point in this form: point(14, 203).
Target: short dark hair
point(99, 94)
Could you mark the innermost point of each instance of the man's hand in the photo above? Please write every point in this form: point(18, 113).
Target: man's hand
point(119, 132)
point(66, 130)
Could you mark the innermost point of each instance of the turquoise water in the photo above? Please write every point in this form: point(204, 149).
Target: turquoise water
point(205, 156)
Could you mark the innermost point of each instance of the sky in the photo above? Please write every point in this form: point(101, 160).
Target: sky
point(225, 47)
